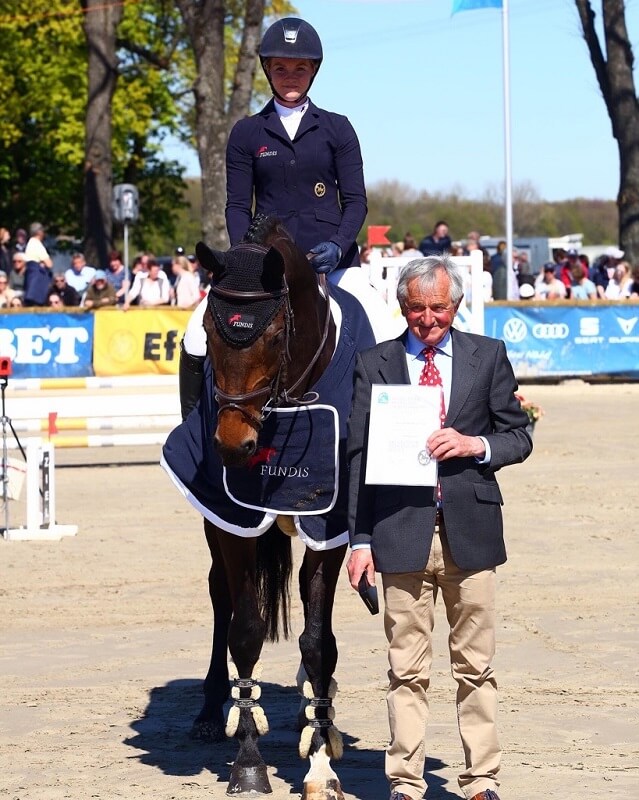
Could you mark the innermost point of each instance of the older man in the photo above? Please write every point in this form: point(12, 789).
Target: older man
point(35, 249)
point(446, 538)
point(79, 274)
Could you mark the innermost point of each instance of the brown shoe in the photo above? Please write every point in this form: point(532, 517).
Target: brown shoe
point(487, 794)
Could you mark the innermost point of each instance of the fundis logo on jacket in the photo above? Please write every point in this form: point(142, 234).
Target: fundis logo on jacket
point(262, 460)
point(262, 456)
point(294, 469)
point(264, 152)
point(241, 321)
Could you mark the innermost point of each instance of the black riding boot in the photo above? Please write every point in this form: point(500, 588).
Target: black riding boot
point(191, 380)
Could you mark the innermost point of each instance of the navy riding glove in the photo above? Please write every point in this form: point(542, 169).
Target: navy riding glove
point(326, 256)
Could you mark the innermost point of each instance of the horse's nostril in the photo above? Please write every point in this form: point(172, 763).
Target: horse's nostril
point(234, 455)
point(249, 446)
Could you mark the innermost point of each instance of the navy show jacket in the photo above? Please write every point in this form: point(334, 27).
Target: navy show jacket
point(314, 183)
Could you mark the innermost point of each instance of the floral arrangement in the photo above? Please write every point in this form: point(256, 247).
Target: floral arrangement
point(535, 412)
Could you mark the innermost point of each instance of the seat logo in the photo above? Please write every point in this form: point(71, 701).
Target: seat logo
point(627, 325)
point(551, 330)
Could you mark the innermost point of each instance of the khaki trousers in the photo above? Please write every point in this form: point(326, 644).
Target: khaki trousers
point(469, 598)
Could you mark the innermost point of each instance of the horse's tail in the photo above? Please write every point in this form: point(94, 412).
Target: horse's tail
point(274, 568)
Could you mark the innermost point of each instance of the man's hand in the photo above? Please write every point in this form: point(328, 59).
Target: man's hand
point(447, 443)
point(324, 257)
point(360, 561)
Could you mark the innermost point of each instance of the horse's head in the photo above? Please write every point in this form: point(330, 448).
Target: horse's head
point(247, 323)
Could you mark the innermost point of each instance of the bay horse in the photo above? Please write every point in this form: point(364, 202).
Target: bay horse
point(271, 343)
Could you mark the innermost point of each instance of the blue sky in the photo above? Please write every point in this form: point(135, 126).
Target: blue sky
point(424, 91)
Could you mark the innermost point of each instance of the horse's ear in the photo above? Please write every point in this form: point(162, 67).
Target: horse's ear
point(213, 261)
point(273, 268)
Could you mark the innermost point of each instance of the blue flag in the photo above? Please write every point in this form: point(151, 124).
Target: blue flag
point(469, 5)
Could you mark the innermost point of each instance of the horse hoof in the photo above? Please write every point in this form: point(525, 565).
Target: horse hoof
point(249, 780)
point(207, 730)
point(330, 789)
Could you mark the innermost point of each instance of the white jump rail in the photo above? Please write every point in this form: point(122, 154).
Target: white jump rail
point(147, 405)
point(115, 382)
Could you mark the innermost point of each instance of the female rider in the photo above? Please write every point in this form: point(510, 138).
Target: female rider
point(303, 165)
point(300, 163)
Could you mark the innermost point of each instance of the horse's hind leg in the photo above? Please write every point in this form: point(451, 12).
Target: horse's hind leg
point(320, 740)
point(209, 724)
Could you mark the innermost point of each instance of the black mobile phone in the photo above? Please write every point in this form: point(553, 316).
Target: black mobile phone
point(368, 594)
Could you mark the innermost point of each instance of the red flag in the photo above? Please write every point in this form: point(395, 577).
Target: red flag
point(377, 234)
point(53, 428)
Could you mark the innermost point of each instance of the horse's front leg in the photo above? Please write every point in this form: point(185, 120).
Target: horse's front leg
point(246, 634)
point(209, 723)
point(320, 739)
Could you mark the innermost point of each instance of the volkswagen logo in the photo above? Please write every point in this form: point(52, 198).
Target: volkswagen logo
point(515, 330)
point(551, 330)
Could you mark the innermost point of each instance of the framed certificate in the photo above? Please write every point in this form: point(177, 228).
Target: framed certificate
point(402, 417)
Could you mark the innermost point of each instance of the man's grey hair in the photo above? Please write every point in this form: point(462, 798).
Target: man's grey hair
point(425, 270)
point(35, 228)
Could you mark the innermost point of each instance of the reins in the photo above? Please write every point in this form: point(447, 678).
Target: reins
point(276, 396)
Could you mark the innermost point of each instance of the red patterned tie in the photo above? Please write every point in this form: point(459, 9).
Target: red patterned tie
point(431, 377)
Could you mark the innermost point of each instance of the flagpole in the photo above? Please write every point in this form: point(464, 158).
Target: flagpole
point(511, 286)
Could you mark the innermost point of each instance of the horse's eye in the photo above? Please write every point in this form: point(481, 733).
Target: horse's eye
point(278, 338)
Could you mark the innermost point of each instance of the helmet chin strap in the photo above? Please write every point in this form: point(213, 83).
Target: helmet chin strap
point(299, 102)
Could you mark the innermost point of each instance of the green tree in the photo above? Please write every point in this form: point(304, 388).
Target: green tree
point(42, 97)
point(158, 79)
point(100, 23)
point(225, 38)
point(614, 72)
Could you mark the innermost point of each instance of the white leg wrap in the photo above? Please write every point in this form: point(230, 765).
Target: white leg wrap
point(305, 741)
point(232, 722)
point(259, 717)
point(334, 744)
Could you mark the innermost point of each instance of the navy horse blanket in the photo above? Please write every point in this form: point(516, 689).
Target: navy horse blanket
point(299, 467)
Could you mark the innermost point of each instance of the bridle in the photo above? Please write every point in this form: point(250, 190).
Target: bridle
point(277, 394)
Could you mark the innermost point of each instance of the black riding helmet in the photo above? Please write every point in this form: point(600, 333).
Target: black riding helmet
point(291, 38)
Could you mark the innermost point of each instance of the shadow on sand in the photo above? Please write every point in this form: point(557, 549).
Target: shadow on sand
point(162, 736)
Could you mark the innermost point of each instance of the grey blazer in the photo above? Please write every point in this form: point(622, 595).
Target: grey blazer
point(398, 521)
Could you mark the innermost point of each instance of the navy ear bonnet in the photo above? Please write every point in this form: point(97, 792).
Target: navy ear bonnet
point(247, 268)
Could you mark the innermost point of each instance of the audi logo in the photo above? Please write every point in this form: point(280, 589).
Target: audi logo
point(551, 330)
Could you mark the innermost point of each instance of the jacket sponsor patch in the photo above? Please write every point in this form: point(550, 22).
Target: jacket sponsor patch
point(264, 152)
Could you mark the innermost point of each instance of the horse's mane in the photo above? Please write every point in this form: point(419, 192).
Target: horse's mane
point(263, 229)
point(269, 231)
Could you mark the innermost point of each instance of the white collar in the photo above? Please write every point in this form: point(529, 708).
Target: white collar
point(285, 111)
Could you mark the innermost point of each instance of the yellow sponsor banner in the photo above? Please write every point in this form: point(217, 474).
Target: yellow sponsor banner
point(138, 341)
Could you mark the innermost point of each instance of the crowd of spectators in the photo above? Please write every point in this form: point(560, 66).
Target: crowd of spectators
point(28, 278)
point(568, 276)
point(571, 276)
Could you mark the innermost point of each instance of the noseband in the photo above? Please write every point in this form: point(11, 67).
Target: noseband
point(277, 395)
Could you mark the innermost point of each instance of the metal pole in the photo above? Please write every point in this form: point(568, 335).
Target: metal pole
point(126, 256)
point(5, 460)
point(507, 152)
